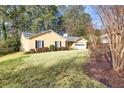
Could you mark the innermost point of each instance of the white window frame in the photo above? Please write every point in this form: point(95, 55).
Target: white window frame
point(58, 44)
point(80, 44)
point(39, 44)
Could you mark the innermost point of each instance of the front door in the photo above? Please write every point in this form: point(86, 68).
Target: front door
point(69, 44)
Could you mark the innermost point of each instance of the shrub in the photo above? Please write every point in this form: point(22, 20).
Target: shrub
point(12, 42)
point(45, 49)
point(32, 50)
point(28, 52)
point(1, 45)
point(64, 48)
point(39, 50)
point(61, 48)
point(4, 51)
point(58, 49)
point(52, 48)
point(10, 50)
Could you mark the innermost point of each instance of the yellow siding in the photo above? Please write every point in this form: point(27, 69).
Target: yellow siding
point(49, 39)
point(81, 41)
point(73, 45)
point(24, 43)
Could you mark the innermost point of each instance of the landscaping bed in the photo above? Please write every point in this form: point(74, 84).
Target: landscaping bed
point(101, 71)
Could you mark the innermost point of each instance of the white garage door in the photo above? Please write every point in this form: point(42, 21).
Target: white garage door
point(80, 46)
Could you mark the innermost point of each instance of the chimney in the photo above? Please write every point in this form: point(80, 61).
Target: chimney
point(65, 35)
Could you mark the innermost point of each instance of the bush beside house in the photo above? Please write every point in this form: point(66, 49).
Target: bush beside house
point(52, 48)
point(39, 50)
point(8, 46)
point(61, 48)
point(46, 49)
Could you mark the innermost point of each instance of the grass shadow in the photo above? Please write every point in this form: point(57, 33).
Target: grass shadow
point(66, 74)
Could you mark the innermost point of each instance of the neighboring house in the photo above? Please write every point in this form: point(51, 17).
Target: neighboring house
point(47, 38)
point(104, 38)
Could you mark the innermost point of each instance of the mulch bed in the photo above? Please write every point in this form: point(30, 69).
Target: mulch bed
point(101, 71)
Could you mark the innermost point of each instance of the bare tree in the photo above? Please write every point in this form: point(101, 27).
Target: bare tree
point(97, 50)
point(112, 18)
point(92, 36)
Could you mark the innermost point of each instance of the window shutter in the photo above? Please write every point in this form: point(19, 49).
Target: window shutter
point(42, 44)
point(55, 44)
point(36, 44)
point(60, 43)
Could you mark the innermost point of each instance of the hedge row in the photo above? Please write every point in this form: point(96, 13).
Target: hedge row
point(45, 49)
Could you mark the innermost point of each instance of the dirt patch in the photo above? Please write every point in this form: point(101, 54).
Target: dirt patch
point(101, 71)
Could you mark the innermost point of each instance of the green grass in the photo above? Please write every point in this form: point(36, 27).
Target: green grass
point(52, 69)
point(11, 56)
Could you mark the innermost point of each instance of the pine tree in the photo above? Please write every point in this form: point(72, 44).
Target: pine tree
point(4, 32)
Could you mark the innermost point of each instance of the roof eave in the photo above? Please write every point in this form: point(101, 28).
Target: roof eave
point(35, 35)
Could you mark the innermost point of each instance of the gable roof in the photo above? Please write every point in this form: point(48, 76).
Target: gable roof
point(30, 35)
point(27, 34)
point(38, 34)
point(71, 38)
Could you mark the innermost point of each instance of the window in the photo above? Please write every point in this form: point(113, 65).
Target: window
point(57, 44)
point(80, 44)
point(39, 44)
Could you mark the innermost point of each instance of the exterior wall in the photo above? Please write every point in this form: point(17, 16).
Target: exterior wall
point(49, 39)
point(80, 42)
point(24, 43)
point(69, 44)
point(73, 45)
point(104, 39)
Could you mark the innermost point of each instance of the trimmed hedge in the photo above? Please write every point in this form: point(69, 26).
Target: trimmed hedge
point(61, 48)
point(39, 50)
point(46, 49)
point(32, 50)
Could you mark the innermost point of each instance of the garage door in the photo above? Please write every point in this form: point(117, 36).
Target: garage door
point(80, 46)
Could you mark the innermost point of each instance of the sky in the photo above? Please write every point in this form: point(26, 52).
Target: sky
point(95, 18)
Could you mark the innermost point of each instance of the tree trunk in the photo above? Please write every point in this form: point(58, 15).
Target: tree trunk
point(117, 52)
point(4, 31)
point(113, 21)
point(46, 25)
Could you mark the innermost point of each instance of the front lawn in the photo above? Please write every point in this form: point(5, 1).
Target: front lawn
point(52, 69)
point(11, 56)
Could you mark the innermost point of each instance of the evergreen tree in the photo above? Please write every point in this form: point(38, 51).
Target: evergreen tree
point(4, 32)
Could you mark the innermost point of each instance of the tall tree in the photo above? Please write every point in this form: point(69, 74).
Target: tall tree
point(3, 20)
point(4, 32)
point(75, 20)
point(44, 17)
point(113, 21)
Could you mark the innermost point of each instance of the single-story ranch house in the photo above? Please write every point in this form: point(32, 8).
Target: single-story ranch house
point(46, 38)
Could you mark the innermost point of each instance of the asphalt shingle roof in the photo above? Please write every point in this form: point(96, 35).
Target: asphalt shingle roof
point(69, 38)
point(28, 34)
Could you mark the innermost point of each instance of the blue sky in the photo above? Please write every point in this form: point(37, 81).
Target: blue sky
point(95, 18)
